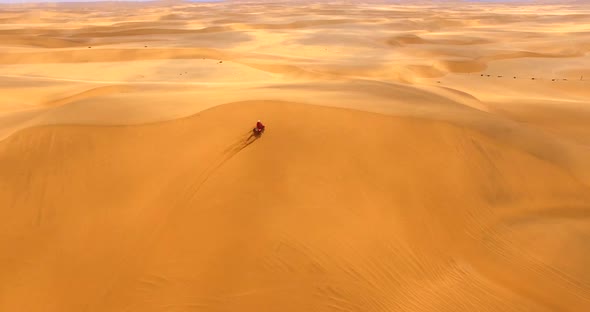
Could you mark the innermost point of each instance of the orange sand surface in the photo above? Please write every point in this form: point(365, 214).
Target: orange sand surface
point(419, 157)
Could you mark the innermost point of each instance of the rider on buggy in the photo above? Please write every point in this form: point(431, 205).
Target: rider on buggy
point(259, 127)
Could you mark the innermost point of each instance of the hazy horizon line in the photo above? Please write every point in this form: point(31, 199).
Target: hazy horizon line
point(316, 1)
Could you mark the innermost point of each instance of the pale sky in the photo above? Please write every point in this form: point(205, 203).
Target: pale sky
point(24, 1)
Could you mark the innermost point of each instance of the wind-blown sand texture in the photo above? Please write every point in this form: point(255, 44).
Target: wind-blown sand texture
point(427, 157)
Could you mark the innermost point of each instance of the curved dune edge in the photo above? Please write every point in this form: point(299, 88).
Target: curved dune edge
point(405, 213)
point(409, 73)
point(92, 92)
point(409, 39)
point(132, 30)
point(110, 55)
point(539, 144)
point(137, 103)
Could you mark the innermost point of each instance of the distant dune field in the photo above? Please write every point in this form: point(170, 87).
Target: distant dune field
point(418, 157)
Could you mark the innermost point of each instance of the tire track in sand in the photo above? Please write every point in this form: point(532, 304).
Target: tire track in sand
point(188, 194)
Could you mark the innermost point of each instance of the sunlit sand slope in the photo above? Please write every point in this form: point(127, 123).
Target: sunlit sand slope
point(320, 213)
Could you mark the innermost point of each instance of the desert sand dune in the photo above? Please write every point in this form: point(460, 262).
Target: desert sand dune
point(418, 157)
point(433, 242)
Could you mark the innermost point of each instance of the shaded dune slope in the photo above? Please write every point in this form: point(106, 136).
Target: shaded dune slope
point(406, 214)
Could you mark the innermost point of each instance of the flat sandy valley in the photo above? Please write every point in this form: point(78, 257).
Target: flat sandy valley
point(417, 157)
